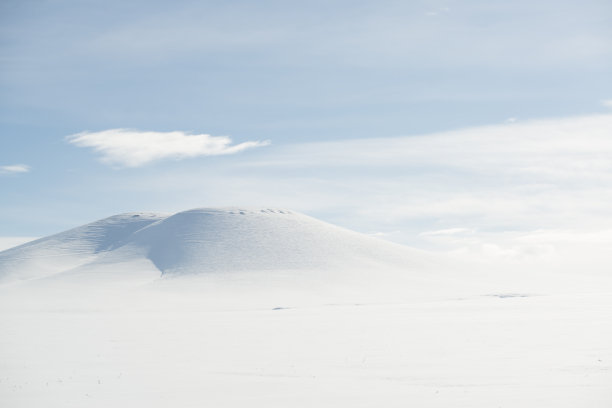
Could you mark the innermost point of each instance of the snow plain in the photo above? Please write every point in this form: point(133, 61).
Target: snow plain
point(268, 308)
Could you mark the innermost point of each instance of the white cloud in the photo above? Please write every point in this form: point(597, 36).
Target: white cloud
point(134, 148)
point(607, 103)
point(14, 168)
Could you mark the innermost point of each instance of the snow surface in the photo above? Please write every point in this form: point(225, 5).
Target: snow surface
point(264, 307)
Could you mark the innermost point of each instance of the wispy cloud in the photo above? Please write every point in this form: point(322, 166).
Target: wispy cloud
point(607, 103)
point(447, 232)
point(14, 168)
point(438, 11)
point(360, 37)
point(478, 191)
point(134, 148)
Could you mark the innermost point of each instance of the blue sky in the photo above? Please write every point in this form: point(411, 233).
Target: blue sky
point(506, 103)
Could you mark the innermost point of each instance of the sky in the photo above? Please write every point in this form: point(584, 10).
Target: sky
point(471, 127)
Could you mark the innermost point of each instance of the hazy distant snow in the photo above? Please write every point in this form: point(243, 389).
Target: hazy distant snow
point(9, 242)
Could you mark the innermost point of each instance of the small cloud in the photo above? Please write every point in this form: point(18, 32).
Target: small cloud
point(511, 120)
point(447, 232)
point(14, 169)
point(135, 148)
point(607, 103)
point(438, 11)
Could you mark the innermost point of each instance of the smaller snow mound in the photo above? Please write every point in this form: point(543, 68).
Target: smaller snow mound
point(71, 248)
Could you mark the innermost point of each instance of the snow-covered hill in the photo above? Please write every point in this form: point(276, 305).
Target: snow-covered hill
point(270, 308)
point(207, 240)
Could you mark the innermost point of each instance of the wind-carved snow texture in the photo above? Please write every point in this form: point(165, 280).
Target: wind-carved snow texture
point(70, 249)
point(269, 308)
